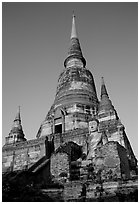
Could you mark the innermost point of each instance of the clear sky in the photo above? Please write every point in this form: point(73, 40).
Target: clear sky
point(35, 41)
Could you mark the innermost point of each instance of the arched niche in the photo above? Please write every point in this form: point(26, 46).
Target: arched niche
point(59, 121)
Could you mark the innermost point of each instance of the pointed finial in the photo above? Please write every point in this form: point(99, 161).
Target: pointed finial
point(73, 30)
point(102, 81)
point(73, 14)
point(103, 88)
point(18, 114)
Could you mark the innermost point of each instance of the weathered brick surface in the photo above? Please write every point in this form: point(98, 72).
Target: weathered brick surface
point(59, 164)
point(107, 159)
point(76, 97)
point(91, 190)
point(78, 136)
point(124, 165)
point(112, 156)
point(23, 154)
point(72, 190)
point(55, 194)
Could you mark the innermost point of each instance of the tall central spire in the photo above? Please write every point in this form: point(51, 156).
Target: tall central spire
point(76, 98)
point(18, 115)
point(75, 56)
point(73, 30)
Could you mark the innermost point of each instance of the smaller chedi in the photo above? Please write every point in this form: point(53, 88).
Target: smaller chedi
point(16, 134)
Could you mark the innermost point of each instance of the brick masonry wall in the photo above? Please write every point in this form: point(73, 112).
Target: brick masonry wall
point(124, 165)
point(59, 164)
point(78, 136)
point(22, 155)
point(107, 159)
point(72, 190)
point(112, 156)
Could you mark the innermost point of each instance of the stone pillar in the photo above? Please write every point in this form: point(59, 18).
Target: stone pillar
point(52, 123)
point(84, 108)
point(27, 159)
point(85, 144)
point(91, 112)
point(95, 110)
point(47, 150)
point(12, 163)
point(63, 123)
point(53, 126)
point(120, 132)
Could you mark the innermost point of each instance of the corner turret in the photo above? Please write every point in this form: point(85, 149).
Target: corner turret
point(103, 88)
point(106, 110)
point(16, 134)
